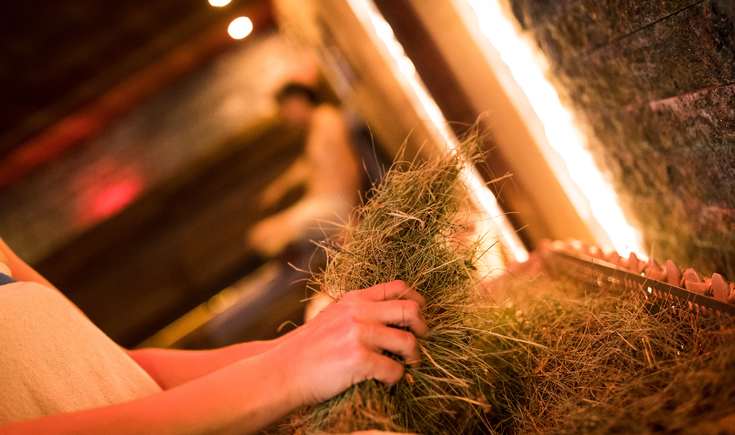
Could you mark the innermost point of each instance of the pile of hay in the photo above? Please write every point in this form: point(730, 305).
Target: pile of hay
point(549, 356)
point(569, 359)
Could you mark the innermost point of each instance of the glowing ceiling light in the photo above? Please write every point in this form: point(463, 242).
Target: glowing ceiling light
point(219, 3)
point(587, 187)
point(240, 28)
point(405, 71)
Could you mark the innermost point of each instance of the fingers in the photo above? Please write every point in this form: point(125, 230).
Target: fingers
point(398, 313)
point(393, 340)
point(383, 369)
point(390, 290)
point(370, 312)
point(392, 303)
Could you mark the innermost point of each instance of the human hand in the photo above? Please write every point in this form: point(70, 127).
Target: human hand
point(344, 345)
point(270, 197)
point(316, 304)
point(268, 237)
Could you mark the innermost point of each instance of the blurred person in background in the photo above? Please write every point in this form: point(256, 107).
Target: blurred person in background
point(329, 168)
point(339, 160)
point(59, 373)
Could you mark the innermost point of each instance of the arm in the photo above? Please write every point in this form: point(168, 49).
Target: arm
point(170, 368)
point(335, 165)
point(296, 174)
point(242, 398)
point(347, 341)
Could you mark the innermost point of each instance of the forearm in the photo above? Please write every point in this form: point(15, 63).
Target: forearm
point(170, 368)
point(295, 174)
point(244, 397)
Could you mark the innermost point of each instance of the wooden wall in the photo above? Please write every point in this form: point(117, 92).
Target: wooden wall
point(654, 83)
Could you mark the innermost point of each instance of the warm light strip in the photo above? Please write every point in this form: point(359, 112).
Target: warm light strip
point(384, 38)
point(561, 141)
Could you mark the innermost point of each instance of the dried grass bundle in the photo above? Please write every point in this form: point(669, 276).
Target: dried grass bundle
point(409, 230)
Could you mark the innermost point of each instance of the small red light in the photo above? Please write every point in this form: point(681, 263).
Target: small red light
point(110, 198)
point(115, 197)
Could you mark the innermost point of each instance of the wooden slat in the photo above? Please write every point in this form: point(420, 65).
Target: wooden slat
point(444, 86)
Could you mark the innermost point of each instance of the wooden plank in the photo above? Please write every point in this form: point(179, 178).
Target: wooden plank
point(548, 211)
point(444, 86)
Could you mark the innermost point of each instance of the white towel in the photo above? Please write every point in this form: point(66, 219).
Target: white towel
point(55, 360)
